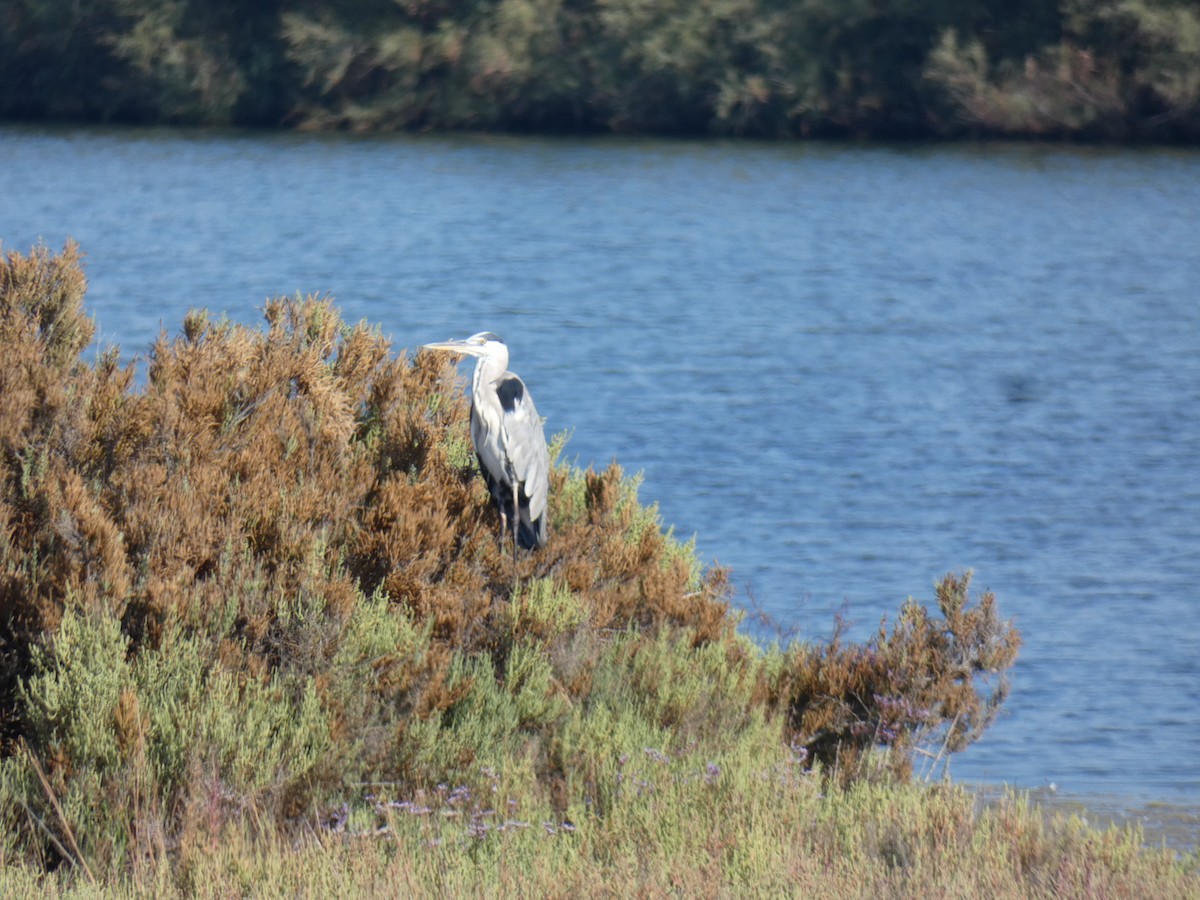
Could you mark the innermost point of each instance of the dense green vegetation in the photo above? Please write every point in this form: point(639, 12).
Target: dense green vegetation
point(1114, 69)
point(258, 636)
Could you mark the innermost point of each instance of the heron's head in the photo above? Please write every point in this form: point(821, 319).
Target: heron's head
point(485, 345)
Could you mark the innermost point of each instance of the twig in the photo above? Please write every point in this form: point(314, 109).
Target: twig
point(945, 744)
point(78, 858)
point(563, 692)
point(37, 820)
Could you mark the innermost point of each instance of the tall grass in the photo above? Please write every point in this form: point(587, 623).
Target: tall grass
point(259, 635)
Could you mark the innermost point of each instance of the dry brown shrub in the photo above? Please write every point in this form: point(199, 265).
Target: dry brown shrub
point(918, 683)
point(254, 465)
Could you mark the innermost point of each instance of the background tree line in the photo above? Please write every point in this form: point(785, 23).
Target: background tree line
point(1092, 69)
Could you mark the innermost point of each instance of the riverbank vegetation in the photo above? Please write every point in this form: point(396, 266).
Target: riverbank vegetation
point(259, 636)
point(1086, 69)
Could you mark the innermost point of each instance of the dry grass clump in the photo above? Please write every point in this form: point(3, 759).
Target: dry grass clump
point(262, 597)
point(744, 824)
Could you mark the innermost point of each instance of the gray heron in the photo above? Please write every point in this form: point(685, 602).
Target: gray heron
point(508, 438)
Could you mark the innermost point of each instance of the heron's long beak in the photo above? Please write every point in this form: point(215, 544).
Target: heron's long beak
point(452, 346)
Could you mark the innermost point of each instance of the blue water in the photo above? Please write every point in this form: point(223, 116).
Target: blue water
point(847, 369)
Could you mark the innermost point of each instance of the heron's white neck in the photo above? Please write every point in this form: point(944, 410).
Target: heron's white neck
point(489, 367)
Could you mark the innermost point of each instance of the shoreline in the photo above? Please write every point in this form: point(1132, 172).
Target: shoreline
point(930, 138)
point(1173, 824)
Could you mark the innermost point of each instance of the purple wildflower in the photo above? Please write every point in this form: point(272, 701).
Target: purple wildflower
point(478, 828)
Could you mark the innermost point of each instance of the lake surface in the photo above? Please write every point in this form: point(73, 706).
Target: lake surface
point(847, 369)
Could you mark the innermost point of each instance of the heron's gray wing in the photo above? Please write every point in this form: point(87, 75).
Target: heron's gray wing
point(525, 441)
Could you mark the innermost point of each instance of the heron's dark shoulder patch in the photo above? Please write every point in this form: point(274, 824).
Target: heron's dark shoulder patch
point(511, 391)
